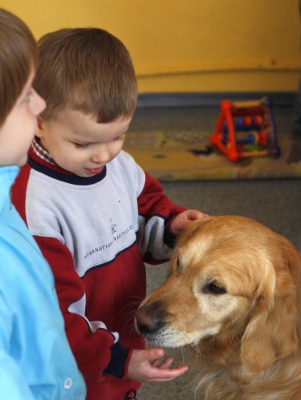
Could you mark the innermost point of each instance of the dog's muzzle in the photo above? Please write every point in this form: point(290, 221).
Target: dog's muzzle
point(150, 319)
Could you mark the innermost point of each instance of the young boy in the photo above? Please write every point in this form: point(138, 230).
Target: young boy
point(95, 214)
point(36, 361)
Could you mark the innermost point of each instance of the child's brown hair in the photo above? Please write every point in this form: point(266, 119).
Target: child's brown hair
point(88, 70)
point(18, 56)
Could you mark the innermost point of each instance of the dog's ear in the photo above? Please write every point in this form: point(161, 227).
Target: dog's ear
point(272, 332)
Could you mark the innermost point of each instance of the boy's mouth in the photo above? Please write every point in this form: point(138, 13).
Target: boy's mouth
point(94, 171)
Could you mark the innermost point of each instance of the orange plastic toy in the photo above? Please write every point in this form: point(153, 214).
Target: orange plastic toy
point(246, 129)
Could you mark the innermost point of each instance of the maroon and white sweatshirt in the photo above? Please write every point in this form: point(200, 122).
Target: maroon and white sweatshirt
point(96, 233)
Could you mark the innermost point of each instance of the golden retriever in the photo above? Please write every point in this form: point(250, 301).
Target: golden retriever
point(233, 292)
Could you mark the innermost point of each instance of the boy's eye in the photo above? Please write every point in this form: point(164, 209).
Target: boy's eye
point(29, 93)
point(81, 146)
point(119, 138)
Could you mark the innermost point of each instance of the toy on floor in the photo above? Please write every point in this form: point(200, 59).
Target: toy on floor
point(246, 129)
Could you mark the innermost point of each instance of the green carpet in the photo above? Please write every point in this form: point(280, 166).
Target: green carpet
point(177, 155)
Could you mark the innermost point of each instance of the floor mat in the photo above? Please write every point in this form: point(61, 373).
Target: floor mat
point(181, 155)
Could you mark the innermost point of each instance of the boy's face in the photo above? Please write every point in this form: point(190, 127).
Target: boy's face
point(20, 126)
point(79, 144)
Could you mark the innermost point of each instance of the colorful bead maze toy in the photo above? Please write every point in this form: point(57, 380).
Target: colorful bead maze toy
point(246, 129)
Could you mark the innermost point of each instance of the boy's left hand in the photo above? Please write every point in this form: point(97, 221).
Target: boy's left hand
point(179, 222)
point(142, 369)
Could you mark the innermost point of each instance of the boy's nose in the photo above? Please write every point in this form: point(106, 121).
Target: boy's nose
point(102, 156)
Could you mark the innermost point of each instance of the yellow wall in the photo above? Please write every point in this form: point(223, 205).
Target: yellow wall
point(191, 45)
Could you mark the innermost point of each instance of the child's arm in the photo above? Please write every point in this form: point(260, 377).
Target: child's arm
point(86, 339)
point(145, 366)
point(161, 221)
point(13, 385)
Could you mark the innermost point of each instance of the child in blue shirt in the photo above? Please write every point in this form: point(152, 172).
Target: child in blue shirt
point(36, 362)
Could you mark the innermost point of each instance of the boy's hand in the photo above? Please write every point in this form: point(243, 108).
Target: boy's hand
point(178, 223)
point(142, 369)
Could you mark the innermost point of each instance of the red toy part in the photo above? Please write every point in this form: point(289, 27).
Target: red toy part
point(246, 123)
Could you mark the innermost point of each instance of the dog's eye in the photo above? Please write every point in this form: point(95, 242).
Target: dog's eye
point(214, 288)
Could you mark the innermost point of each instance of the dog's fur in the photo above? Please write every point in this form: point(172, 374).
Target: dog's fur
point(233, 291)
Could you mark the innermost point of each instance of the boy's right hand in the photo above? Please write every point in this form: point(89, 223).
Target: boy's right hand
point(142, 369)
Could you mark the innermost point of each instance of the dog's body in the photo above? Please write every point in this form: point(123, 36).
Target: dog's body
point(234, 292)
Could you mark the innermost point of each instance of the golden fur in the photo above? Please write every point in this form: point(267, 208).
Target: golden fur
point(233, 292)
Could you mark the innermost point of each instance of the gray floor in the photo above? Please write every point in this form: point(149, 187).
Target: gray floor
point(274, 203)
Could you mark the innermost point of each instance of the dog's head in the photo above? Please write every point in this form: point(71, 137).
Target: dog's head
point(231, 279)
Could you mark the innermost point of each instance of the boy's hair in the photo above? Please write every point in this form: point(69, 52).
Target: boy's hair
point(18, 56)
point(88, 70)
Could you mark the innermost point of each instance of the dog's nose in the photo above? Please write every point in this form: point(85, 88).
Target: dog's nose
point(149, 319)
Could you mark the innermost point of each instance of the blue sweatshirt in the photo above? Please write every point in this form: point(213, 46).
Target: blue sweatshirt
point(35, 358)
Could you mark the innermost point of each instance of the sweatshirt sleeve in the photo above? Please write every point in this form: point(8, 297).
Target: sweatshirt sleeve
point(156, 212)
point(97, 351)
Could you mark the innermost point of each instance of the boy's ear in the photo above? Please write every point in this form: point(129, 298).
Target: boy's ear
point(40, 128)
